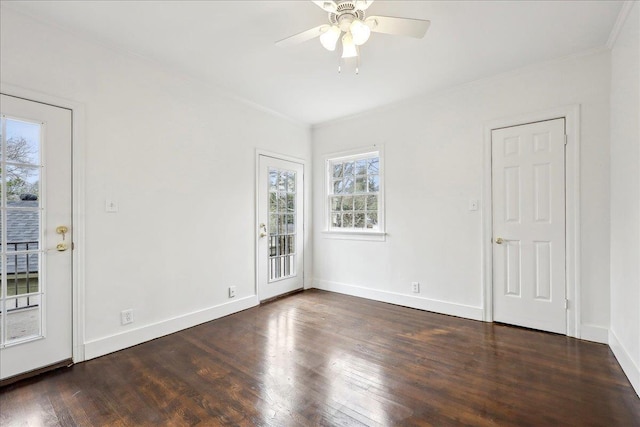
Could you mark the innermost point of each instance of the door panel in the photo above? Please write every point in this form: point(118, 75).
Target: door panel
point(35, 296)
point(528, 185)
point(280, 227)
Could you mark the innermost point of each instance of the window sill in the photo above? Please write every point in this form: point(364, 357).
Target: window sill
point(374, 236)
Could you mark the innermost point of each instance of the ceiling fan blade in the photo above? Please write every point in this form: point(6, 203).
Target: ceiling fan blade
point(363, 4)
point(398, 26)
point(326, 5)
point(303, 36)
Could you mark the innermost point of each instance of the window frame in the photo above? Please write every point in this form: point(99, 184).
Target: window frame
point(377, 234)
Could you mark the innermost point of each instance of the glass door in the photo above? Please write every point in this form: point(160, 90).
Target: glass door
point(35, 236)
point(280, 228)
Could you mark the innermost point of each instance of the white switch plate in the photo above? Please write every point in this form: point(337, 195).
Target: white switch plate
point(473, 204)
point(111, 206)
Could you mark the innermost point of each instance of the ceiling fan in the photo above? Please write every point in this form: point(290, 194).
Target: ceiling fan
point(348, 19)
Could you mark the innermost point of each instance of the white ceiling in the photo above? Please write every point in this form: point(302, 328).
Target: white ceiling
point(230, 44)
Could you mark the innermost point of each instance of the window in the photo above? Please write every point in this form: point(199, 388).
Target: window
point(354, 193)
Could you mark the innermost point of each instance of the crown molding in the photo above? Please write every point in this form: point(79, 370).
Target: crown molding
point(617, 27)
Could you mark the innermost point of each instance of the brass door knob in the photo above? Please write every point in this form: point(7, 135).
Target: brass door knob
point(61, 247)
point(499, 240)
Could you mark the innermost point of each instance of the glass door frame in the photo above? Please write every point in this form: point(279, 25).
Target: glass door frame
point(78, 131)
point(302, 216)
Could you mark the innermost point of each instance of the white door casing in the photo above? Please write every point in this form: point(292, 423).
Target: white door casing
point(279, 231)
point(528, 189)
point(52, 342)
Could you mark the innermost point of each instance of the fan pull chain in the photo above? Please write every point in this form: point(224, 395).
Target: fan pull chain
point(341, 60)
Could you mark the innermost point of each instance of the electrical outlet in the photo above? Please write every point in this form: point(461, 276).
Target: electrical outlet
point(232, 291)
point(126, 316)
point(415, 287)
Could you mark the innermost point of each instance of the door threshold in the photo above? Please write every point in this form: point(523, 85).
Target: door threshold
point(277, 297)
point(35, 372)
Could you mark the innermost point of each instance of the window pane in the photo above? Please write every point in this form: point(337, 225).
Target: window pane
point(282, 181)
point(291, 240)
point(347, 220)
point(282, 245)
point(291, 182)
point(22, 273)
point(273, 180)
point(23, 318)
point(273, 224)
point(290, 223)
point(348, 185)
point(336, 203)
point(23, 226)
point(23, 183)
point(337, 170)
point(372, 219)
point(291, 202)
point(337, 187)
point(372, 202)
point(348, 168)
point(282, 202)
point(23, 142)
point(374, 183)
point(347, 203)
point(336, 220)
point(373, 165)
point(273, 246)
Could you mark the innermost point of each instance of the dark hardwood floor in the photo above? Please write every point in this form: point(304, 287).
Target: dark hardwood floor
point(319, 358)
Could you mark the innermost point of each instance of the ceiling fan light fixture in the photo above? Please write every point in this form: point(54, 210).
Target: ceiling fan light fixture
point(360, 32)
point(349, 49)
point(329, 38)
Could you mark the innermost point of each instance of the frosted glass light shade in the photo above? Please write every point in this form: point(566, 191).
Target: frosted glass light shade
point(329, 38)
point(348, 46)
point(360, 32)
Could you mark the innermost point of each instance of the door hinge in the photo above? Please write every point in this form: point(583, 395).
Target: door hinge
point(73, 246)
point(566, 303)
point(566, 139)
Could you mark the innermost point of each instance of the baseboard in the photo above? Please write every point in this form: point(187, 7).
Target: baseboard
point(442, 307)
point(594, 333)
point(630, 368)
point(131, 337)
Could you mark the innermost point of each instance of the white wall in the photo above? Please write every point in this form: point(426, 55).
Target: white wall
point(434, 163)
point(625, 197)
point(178, 157)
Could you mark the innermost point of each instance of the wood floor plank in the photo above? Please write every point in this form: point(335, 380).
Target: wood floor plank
point(323, 359)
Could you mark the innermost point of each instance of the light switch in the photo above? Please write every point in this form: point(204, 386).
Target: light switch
point(111, 206)
point(473, 204)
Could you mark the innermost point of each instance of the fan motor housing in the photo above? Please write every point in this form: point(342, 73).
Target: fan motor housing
point(345, 14)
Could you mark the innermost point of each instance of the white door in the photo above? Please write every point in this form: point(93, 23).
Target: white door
point(280, 227)
point(528, 184)
point(35, 254)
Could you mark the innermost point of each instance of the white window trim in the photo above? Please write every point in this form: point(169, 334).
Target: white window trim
point(351, 234)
